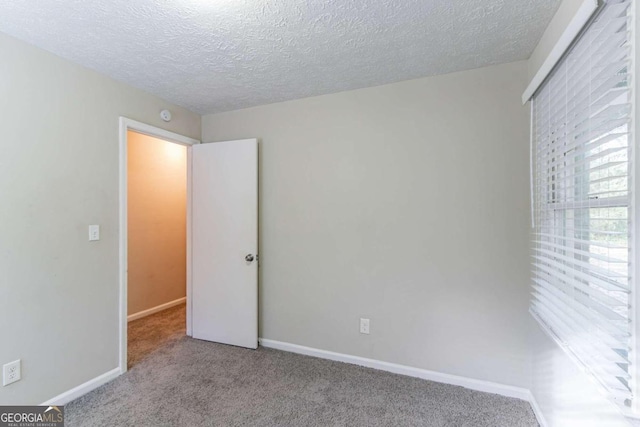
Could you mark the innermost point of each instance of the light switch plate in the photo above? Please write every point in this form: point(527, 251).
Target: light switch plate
point(94, 233)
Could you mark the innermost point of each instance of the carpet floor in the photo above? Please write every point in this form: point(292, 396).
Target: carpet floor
point(146, 335)
point(188, 382)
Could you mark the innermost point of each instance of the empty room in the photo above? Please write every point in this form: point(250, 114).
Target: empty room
point(338, 213)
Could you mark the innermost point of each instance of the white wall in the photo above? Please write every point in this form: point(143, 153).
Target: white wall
point(566, 11)
point(58, 174)
point(566, 396)
point(406, 204)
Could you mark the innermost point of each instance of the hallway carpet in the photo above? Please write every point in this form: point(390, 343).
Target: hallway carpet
point(189, 382)
point(150, 333)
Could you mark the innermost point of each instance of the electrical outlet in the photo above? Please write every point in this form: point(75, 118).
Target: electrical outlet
point(11, 372)
point(364, 326)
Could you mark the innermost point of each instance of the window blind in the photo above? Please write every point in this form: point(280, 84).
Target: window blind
point(581, 129)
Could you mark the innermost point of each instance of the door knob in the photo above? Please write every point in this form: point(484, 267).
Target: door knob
point(249, 258)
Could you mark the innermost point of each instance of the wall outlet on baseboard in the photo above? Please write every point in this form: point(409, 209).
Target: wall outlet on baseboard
point(11, 372)
point(364, 326)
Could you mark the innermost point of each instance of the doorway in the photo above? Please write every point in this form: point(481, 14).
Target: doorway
point(154, 239)
point(221, 239)
point(156, 244)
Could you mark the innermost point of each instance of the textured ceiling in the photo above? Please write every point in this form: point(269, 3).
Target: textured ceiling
point(219, 55)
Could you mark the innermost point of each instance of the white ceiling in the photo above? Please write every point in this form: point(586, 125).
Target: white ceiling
point(219, 55)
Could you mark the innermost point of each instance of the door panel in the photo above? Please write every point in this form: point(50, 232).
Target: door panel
point(224, 232)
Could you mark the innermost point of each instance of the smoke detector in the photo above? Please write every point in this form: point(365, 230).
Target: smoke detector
point(165, 115)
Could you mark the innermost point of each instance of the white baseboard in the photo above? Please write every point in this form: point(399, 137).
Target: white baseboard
point(82, 389)
point(537, 411)
point(473, 384)
point(145, 313)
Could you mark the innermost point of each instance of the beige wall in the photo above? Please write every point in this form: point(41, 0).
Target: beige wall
point(58, 174)
point(406, 204)
point(157, 222)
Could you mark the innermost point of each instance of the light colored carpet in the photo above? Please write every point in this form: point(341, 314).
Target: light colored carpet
point(187, 382)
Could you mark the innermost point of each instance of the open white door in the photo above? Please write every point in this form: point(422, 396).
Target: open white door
point(225, 242)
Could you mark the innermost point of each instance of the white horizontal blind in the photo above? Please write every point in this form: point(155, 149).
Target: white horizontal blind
point(582, 194)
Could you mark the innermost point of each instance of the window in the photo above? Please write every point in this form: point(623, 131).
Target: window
point(582, 198)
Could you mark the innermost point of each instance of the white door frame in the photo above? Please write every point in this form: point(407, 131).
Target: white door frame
point(125, 126)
